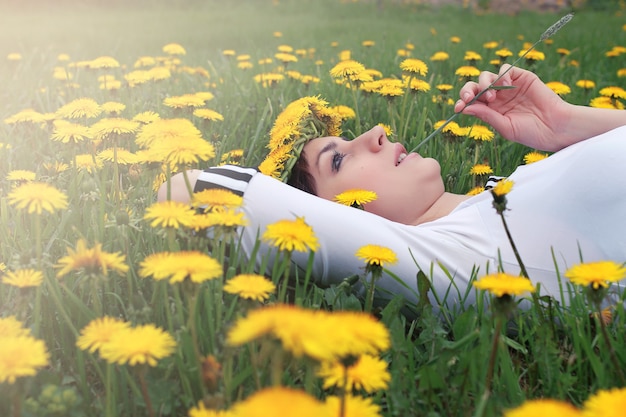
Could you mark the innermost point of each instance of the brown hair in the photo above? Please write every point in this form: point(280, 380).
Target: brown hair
point(300, 177)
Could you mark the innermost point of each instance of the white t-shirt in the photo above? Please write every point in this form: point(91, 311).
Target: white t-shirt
point(568, 205)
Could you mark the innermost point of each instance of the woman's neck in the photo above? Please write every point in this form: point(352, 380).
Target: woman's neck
point(442, 207)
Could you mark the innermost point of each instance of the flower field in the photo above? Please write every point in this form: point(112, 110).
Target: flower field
point(114, 304)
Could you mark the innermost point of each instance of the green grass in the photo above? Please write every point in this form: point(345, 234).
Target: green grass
point(438, 366)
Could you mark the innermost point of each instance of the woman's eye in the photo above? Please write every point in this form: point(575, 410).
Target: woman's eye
point(336, 161)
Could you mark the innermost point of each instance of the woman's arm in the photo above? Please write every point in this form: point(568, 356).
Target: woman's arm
point(341, 231)
point(532, 114)
point(177, 189)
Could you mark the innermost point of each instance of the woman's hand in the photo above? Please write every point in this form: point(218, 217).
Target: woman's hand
point(530, 113)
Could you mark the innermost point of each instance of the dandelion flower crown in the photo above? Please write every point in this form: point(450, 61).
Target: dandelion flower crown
point(302, 120)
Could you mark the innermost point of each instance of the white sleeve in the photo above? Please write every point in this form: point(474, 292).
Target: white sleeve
point(342, 230)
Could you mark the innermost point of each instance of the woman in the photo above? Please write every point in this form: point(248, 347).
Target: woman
point(561, 208)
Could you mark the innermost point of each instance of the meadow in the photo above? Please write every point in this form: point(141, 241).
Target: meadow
point(114, 305)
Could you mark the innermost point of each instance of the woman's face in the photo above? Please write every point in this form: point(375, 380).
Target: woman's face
point(406, 185)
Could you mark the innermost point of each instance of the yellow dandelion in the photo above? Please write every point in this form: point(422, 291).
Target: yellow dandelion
point(169, 214)
point(318, 334)
point(481, 133)
point(113, 107)
point(208, 114)
point(144, 61)
point(138, 345)
point(613, 92)
point(440, 56)
point(544, 407)
point(166, 130)
point(472, 56)
point(605, 403)
point(491, 45)
point(475, 191)
point(280, 401)
point(290, 235)
point(91, 260)
point(375, 255)
point(250, 286)
point(25, 116)
point(355, 197)
point(67, 132)
point(455, 39)
point(232, 157)
point(216, 199)
point(533, 55)
point(201, 411)
point(388, 129)
point(146, 117)
point(532, 157)
point(54, 168)
point(586, 84)
point(119, 156)
point(559, 87)
point(138, 77)
point(184, 101)
point(104, 62)
point(79, 108)
point(23, 278)
point(606, 103)
point(414, 66)
point(467, 71)
point(21, 175)
point(184, 152)
point(596, 274)
point(415, 84)
point(347, 69)
point(344, 112)
point(354, 406)
point(109, 128)
point(174, 49)
point(12, 327)
point(621, 72)
point(500, 284)
point(504, 53)
point(367, 373)
point(390, 87)
point(21, 356)
point(176, 267)
point(98, 332)
point(87, 163)
point(14, 56)
point(285, 58)
point(481, 169)
point(226, 219)
point(502, 188)
point(37, 197)
point(562, 51)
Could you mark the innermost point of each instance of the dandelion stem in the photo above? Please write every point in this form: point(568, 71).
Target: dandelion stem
point(609, 345)
point(369, 303)
point(344, 392)
point(144, 391)
point(545, 35)
point(515, 252)
point(110, 400)
point(480, 409)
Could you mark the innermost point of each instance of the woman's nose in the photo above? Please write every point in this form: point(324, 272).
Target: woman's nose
point(373, 140)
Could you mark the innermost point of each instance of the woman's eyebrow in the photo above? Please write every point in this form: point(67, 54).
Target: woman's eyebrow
point(327, 148)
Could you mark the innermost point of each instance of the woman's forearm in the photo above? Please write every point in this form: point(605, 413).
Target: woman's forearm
point(586, 122)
